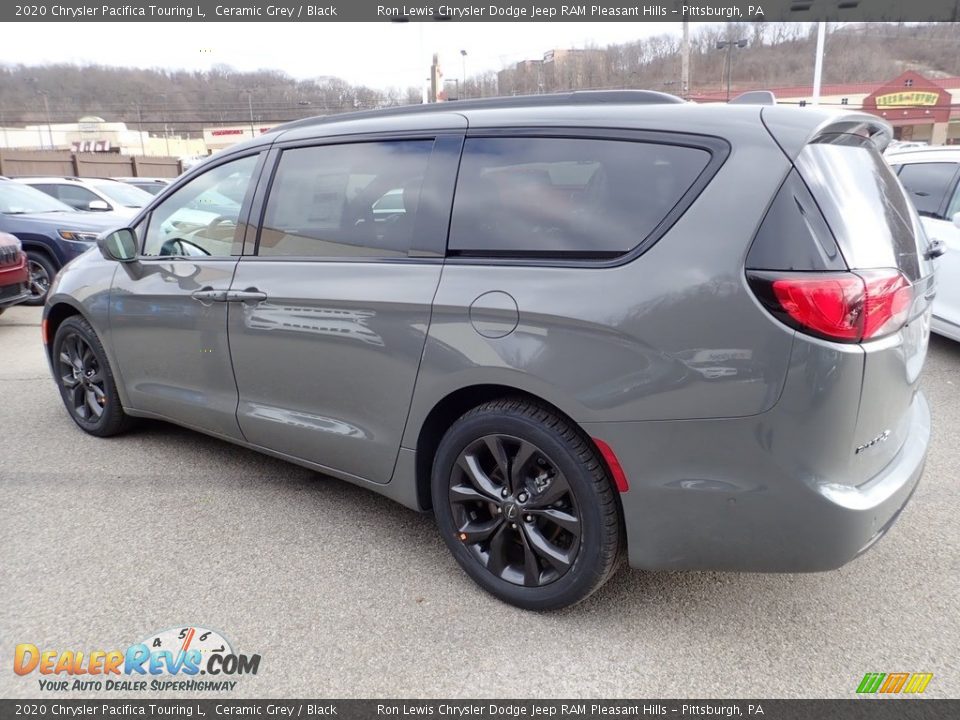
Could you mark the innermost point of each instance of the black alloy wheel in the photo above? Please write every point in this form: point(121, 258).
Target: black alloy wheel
point(514, 509)
point(526, 504)
point(86, 382)
point(81, 377)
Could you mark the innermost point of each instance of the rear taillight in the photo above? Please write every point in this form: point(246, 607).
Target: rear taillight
point(843, 306)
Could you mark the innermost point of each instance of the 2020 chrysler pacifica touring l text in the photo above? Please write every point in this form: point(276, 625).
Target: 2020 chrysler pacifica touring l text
point(576, 327)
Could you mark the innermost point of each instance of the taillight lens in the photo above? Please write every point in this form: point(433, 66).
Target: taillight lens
point(842, 306)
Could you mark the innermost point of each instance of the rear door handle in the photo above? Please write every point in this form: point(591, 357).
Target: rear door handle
point(207, 295)
point(250, 295)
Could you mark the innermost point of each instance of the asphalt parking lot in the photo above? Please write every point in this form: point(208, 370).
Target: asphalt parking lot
point(345, 594)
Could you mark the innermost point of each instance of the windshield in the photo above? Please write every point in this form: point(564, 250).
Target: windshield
point(126, 195)
point(16, 199)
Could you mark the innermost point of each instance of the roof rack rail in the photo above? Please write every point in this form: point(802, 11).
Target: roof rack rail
point(577, 97)
point(755, 97)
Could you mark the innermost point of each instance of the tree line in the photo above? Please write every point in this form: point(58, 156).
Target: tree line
point(776, 54)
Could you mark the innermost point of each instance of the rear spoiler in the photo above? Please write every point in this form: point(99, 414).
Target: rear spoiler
point(794, 128)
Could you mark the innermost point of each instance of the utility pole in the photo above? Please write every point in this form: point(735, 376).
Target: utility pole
point(163, 116)
point(46, 111)
point(253, 133)
point(685, 58)
point(143, 147)
point(818, 64)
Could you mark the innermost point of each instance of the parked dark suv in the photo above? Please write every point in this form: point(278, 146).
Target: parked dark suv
point(575, 326)
point(51, 233)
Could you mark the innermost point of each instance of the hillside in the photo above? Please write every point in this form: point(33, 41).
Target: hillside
point(777, 54)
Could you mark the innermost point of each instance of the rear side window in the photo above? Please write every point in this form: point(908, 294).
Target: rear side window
point(868, 211)
point(566, 197)
point(928, 185)
point(353, 200)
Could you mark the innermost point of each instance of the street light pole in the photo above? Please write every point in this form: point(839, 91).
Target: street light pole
point(729, 45)
point(463, 57)
point(818, 65)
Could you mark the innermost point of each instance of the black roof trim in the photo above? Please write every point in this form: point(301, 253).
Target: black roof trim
point(578, 97)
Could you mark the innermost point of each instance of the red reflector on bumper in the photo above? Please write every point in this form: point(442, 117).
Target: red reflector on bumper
point(619, 477)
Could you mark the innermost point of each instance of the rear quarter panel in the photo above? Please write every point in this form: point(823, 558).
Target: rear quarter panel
point(673, 334)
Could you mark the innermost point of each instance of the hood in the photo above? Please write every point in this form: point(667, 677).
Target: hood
point(121, 212)
point(99, 222)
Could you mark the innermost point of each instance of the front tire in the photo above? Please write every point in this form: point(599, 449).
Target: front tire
point(85, 380)
point(42, 273)
point(526, 506)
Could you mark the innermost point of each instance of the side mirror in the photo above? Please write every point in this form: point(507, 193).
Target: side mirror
point(98, 205)
point(119, 245)
point(956, 219)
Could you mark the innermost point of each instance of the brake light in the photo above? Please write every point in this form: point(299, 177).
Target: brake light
point(889, 296)
point(842, 306)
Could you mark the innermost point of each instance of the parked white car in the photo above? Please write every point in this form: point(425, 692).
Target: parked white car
point(932, 178)
point(92, 194)
point(896, 146)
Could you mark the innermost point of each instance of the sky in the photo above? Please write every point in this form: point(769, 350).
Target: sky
point(379, 55)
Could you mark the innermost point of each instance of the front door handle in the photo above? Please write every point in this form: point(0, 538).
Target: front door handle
point(250, 295)
point(207, 295)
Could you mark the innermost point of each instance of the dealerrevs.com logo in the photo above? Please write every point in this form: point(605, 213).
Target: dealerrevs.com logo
point(184, 658)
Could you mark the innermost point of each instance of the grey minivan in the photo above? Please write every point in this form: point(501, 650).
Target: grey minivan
point(577, 327)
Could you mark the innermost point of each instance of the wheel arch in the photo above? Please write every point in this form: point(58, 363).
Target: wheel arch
point(53, 318)
point(446, 411)
point(36, 244)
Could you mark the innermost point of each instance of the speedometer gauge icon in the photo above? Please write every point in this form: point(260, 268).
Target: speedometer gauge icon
point(183, 639)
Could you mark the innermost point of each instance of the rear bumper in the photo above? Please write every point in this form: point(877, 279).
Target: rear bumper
point(706, 495)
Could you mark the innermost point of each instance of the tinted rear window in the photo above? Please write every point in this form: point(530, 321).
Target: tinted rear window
point(864, 204)
point(566, 196)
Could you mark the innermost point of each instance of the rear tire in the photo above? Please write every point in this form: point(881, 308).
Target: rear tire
point(85, 380)
point(526, 506)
